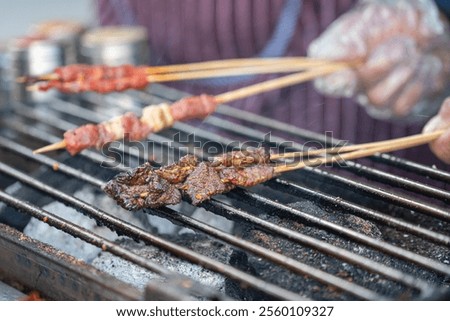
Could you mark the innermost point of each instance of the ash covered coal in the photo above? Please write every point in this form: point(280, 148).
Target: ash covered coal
point(69, 244)
point(139, 277)
point(309, 287)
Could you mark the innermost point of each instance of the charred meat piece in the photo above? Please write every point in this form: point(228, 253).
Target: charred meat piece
point(142, 188)
point(177, 172)
point(242, 158)
point(247, 176)
point(145, 187)
point(204, 182)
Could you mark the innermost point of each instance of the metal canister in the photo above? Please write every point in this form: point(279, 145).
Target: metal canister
point(3, 80)
point(67, 33)
point(115, 46)
point(32, 56)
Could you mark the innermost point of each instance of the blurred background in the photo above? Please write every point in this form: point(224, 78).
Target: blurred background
point(17, 16)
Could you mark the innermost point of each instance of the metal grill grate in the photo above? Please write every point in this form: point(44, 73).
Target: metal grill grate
point(352, 232)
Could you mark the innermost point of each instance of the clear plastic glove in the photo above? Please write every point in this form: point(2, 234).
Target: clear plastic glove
point(441, 146)
point(402, 49)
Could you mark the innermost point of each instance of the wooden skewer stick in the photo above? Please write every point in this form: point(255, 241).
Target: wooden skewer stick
point(387, 146)
point(341, 149)
point(232, 63)
point(248, 70)
point(281, 82)
point(58, 145)
point(46, 77)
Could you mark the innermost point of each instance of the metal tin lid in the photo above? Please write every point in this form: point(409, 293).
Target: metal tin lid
point(107, 36)
point(116, 46)
point(32, 55)
point(58, 29)
point(68, 33)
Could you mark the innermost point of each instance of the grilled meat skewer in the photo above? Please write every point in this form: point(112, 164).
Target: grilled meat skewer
point(147, 187)
point(154, 118)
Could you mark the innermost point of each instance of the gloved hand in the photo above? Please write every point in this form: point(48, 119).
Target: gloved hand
point(402, 54)
point(441, 146)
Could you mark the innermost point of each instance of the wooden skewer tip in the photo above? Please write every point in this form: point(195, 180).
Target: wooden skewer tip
point(33, 87)
point(51, 147)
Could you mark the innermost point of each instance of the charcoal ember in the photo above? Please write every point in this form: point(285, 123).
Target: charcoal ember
point(39, 230)
point(203, 183)
point(177, 172)
point(242, 158)
point(142, 188)
point(139, 277)
point(234, 289)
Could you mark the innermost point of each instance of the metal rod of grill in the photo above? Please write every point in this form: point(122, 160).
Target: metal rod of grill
point(311, 242)
point(364, 239)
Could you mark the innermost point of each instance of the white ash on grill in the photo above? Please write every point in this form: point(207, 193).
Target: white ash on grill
point(139, 277)
point(67, 243)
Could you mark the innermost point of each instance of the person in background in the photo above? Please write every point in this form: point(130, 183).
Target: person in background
point(402, 49)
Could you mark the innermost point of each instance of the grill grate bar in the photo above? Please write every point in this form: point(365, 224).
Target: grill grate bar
point(22, 150)
point(285, 261)
point(364, 239)
point(297, 189)
point(219, 207)
point(89, 237)
point(402, 182)
point(383, 194)
point(124, 228)
point(311, 242)
point(414, 167)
